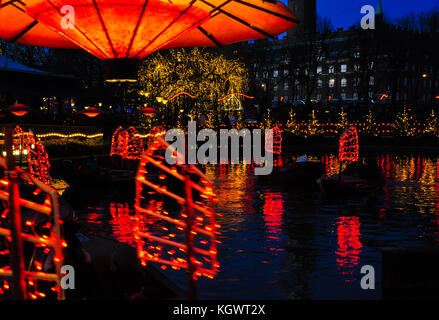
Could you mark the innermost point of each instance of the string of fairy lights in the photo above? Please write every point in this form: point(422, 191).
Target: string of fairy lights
point(65, 136)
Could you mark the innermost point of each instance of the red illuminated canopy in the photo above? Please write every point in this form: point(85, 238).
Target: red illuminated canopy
point(129, 30)
point(135, 28)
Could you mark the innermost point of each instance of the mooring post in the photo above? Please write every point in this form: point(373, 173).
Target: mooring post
point(17, 259)
point(192, 286)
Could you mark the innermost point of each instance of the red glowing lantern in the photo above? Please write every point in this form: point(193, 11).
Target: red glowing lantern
point(122, 32)
point(90, 112)
point(19, 109)
point(149, 112)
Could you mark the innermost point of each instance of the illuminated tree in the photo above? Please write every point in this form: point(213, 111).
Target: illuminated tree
point(292, 125)
point(204, 76)
point(403, 125)
point(342, 124)
point(239, 120)
point(313, 125)
point(267, 122)
point(432, 124)
point(370, 126)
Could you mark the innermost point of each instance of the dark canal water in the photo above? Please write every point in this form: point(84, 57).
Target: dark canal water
point(280, 244)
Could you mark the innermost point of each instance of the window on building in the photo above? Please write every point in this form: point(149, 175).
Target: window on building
point(286, 72)
point(371, 81)
point(343, 96)
point(356, 54)
point(319, 69)
point(318, 97)
point(286, 87)
point(331, 83)
point(356, 67)
point(344, 82)
point(275, 88)
point(331, 69)
point(319, 83)
point(343, 68)
point(275, 73)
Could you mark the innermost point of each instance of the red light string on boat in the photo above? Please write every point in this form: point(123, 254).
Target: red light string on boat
point(117, 147)
point(40, 228)
point(134, 144)
point(181, 93)
point(348, 146)
point(129, 144)
point(171, 217)
point(38, 159)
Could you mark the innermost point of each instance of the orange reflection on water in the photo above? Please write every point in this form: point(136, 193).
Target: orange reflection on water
point(349, 245)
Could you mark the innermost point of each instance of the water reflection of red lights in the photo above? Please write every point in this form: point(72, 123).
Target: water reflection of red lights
point(349, 245)
point(122, 222)
point(273, 211)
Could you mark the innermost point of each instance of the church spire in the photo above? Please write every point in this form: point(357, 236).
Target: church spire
point(379, 9)
point(379, 15)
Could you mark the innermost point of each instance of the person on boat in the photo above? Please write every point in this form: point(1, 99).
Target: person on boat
point(370, 171)
point(92, 161)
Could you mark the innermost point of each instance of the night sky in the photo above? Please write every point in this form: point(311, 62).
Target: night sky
point(344, 13)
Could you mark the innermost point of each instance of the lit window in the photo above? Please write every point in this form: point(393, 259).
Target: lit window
point(319, 83)
point(344, 83)
point(331, 83)
point(371, 81)
point(275, 73)
point(343, 68)
point(286, 72)
point(331, 69)
point(286, 86)
point(319, 70)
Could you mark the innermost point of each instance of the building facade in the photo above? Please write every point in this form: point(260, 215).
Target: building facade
point(385, 66)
